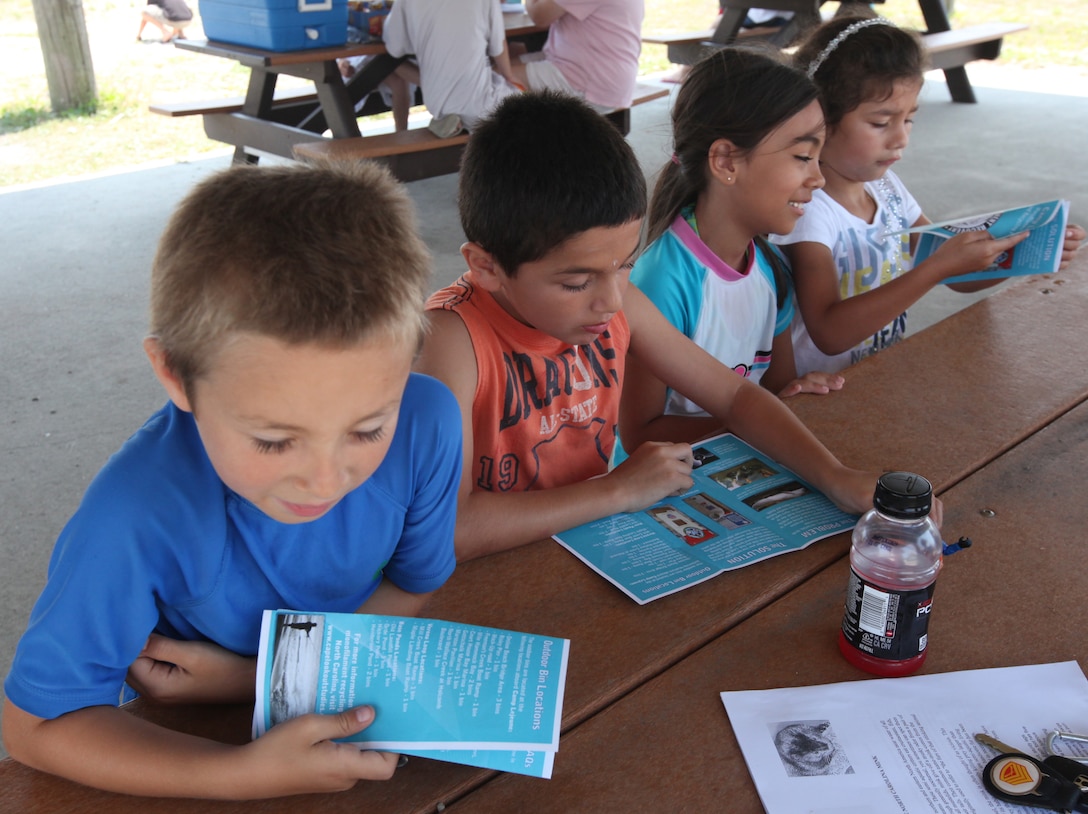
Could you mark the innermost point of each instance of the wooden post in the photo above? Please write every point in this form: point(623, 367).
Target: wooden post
point(69, 71)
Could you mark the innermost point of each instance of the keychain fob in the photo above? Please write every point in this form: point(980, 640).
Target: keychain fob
point(1021, 779)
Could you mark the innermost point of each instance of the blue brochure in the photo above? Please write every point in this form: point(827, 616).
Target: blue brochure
point(1039, 253)
point(460, 693)
point(742, 508)
point(534, 764)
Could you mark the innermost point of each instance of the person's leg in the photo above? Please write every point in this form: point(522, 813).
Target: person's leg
point(146, 18)
point(676, 74)
point(400, 92)
point(517, 68)
point(176, 31)
point(409, 72)
point(540, 74)
point(179, 29)
point(152, 16)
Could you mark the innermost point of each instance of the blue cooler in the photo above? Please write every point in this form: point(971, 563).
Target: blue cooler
point(368, 16)
point(276, 25)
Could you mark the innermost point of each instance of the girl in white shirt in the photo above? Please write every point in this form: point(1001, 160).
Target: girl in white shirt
point(852, 267)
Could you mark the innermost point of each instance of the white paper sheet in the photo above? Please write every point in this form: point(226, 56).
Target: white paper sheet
point(902, 744)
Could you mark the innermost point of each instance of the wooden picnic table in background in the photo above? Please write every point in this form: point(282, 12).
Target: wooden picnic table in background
point(949, 49)
point(275, 122)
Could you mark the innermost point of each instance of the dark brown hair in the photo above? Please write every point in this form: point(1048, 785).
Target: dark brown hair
point(739, 93)
point(863, 66)
point(543, 168)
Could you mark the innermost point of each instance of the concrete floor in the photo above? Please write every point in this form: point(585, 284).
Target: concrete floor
point(73, 288)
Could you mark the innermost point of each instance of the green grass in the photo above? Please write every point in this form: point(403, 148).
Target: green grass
point(22, 117)
point(37, 145)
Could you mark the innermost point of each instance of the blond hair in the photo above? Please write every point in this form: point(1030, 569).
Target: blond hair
point(304, 254)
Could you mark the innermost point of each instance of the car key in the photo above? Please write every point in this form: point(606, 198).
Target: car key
point(1078, 771)
point(1017, 777)
point(1067, 767)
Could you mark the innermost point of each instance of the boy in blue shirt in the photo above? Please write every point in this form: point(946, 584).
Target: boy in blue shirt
point(298, 464)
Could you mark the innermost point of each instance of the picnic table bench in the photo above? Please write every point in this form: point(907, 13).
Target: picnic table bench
point(409, 154)
point(949, 49)
point(271, 120)
point(418, 153)
point(290, 122)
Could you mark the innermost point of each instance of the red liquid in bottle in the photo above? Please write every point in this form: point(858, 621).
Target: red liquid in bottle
point(894, 560)
point(885, 668)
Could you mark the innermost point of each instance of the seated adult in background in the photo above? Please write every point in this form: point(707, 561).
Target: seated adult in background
point(592, 50)
point(453, 42)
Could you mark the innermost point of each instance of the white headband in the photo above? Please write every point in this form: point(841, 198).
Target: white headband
point(853, 28)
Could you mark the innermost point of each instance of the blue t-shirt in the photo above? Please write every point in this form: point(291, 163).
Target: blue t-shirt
point(159, 543)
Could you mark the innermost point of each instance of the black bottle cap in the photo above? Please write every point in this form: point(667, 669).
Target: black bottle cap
point(903, 495)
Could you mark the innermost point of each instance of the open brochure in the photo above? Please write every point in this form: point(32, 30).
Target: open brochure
point(1039, 253)
point(742, 508)
point(460, 693)
point(903, 744)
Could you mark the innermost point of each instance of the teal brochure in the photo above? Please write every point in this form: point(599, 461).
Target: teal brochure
point(1039, 253)
point(533, 764)
point(461, 693)
point(742, 508)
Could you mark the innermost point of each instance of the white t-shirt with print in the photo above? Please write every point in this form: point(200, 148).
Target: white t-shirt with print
point(866, 256)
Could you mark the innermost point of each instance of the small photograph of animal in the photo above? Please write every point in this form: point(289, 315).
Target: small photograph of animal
point(809, 749)
point(743, 474)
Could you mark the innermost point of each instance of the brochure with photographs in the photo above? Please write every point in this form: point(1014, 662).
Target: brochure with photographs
point(461, 693)
point(1039, 253)
point(742, 508)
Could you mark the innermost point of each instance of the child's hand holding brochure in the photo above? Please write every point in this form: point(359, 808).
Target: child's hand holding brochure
point(1039, 253)
point(460, 693)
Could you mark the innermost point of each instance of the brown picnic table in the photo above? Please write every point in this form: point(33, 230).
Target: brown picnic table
point(271, 121)
point(982, 403)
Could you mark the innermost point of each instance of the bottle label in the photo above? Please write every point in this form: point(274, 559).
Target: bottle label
point(886, 624)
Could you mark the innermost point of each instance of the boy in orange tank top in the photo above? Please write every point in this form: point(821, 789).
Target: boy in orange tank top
point(532, 339)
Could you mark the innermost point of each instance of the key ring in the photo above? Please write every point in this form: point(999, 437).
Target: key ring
point(1067, 736)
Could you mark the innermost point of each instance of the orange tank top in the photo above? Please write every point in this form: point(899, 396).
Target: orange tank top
point(545, 412)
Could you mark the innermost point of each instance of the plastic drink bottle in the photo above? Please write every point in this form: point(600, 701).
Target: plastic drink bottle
point(894, 560)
